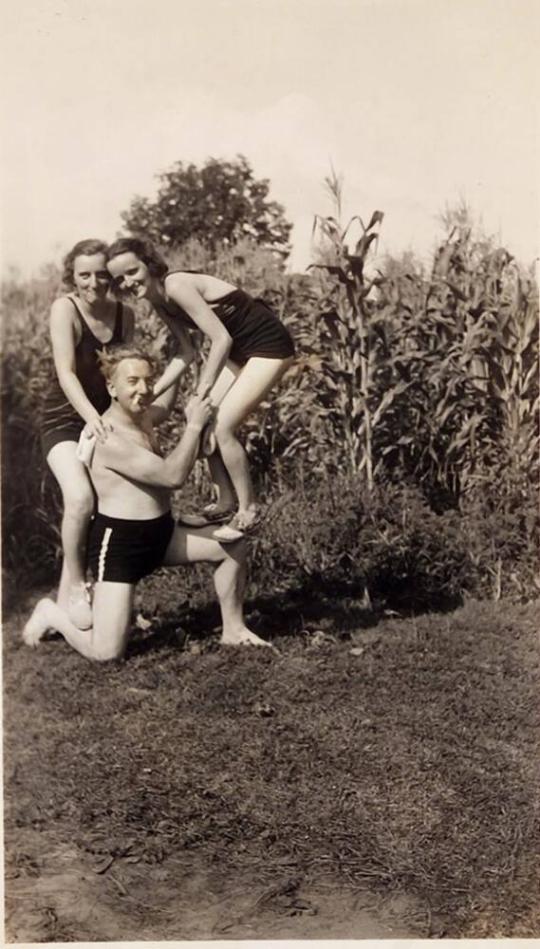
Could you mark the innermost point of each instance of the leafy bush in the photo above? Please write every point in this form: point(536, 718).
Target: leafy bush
point(30, 499)
point(332, 535)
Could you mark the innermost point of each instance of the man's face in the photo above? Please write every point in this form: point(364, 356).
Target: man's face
point(132, 384)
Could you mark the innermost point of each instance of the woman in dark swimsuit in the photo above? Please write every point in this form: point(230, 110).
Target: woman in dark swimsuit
point(250, 350)
point(81, 323)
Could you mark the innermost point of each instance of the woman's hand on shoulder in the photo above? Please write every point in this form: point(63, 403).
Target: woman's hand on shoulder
point(98, 427)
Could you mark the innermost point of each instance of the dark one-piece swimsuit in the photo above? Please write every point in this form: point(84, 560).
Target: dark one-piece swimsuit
point(255, 329)
point(60, 422)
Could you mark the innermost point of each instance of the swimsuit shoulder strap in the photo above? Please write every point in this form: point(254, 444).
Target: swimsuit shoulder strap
point(118, 334)
point(82, 322)
point(170, 272)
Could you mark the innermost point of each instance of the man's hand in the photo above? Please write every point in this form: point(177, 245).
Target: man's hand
point(199, 412)
point(191, 404)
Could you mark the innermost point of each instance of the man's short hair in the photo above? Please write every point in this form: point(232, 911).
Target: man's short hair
point(110, 357)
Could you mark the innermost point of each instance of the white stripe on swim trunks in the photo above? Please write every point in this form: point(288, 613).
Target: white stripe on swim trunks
point(103, 552)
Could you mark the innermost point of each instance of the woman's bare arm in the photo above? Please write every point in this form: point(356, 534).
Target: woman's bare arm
point(183, 290)
point(181, 360)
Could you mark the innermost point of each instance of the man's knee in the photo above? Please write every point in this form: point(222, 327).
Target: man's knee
point(236, 551)
point(108, 653)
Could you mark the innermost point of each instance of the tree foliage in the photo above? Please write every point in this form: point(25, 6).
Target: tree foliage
point(219, 203)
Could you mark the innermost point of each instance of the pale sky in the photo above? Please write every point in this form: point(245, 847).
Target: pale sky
point(417, 103)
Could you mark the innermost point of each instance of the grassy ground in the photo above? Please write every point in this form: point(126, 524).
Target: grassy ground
point(386, 758)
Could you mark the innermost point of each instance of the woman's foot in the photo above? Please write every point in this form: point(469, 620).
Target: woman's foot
point(212, 515)
point(243, 522)
point(216, 513)
point(227, 534)
point(79, 607)
point(38, 624)
point(193, 520)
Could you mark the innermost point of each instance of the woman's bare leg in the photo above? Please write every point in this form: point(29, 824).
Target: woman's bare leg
point(225, 494)
point(78, 500)
point(254, 382)
point(223, 487)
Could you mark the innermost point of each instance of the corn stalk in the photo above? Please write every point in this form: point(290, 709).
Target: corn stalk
point(349, 372)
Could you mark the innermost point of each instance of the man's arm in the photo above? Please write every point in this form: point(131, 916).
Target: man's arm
point(144, 466)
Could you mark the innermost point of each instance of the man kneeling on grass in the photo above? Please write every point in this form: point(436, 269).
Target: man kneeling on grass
point(133, 532)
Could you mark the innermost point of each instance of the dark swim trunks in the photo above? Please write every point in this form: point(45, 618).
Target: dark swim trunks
point(255, 329)
point(60, 422)
point(125, 551)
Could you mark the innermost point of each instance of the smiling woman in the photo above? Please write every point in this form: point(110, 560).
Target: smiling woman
point(82, 322)
point(250, 349)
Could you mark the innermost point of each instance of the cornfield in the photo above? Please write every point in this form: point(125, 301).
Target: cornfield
point(432, 378)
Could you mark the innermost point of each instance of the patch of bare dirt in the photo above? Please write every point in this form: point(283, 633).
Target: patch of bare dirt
point(60, 895)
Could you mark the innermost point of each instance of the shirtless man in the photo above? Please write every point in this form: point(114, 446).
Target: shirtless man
point(133, 532)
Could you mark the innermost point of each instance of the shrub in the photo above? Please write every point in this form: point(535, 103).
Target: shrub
point(30, 499)
point(332, 535)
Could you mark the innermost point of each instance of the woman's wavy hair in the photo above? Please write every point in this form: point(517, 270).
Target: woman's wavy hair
point(111, 356)
point(142, 249)
point(89, 246)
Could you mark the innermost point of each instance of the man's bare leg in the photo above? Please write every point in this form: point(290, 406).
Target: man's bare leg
point(113, 602)
point(189, 545)
point(112, 608)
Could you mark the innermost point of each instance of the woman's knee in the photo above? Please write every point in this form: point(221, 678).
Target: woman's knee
point(224, 431)
point(78, 502)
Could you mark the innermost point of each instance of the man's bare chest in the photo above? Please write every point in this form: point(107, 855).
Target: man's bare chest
point(144, 437)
